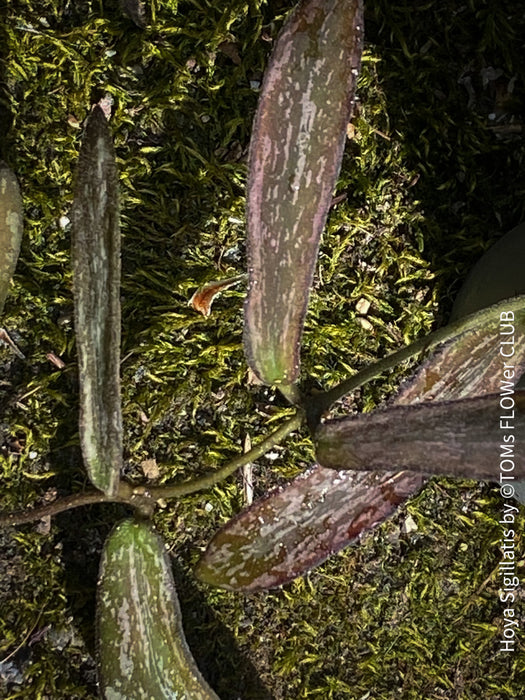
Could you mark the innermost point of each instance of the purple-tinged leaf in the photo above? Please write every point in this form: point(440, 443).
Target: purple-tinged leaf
point(295, 156)
point(470, 364)
point(454, 438)
point(497, 275)
point(143, 652)
point(295, 528)
point(96, 280)
point(11, 227)
point(344, 503)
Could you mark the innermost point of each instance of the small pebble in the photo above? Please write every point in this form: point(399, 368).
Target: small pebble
point(362, 306)
point(365, 324)
point(409, 525)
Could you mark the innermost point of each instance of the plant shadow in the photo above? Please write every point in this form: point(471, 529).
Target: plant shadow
point(455, 102)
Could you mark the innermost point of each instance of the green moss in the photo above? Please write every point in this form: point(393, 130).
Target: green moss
point(430, 181)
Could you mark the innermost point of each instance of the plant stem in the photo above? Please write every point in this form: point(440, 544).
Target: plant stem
point(209, 480)
point(320, 403)
point(59, 506)
point(291, 392)
point(143, 497)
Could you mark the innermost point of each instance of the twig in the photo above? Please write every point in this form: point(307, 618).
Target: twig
point(247, 474)
point(59, 506)
point(23, 642)
point(6, 338)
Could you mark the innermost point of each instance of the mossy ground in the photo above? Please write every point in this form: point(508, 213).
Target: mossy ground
point(434, 174)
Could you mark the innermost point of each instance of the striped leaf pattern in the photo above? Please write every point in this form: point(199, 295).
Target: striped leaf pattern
point(142, 649)
point(297, 527)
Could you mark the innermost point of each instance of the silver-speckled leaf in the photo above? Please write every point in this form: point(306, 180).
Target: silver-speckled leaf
point(497, 275)
point(143, 654)
point(295, 156)
point(96, 283)
point(11, 227)
point(472, 363)
point(296, 528)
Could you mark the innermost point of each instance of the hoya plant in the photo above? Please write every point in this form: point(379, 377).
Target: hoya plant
point(444, 420)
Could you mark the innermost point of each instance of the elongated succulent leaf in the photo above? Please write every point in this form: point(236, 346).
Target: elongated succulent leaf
point(11, 227)
point(472, 363)
point(143, 653)
point(96, 278)
point(297, 527)
point(455, 438)
point(295, 156)
point(497, 275)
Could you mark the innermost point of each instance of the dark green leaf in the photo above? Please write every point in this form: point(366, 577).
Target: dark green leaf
point(295, 156)
point(96, 276)
point(498, 275)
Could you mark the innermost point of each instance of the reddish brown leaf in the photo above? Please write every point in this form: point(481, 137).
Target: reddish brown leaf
point(295, 528)
point(456, 438)
point(204, 297)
